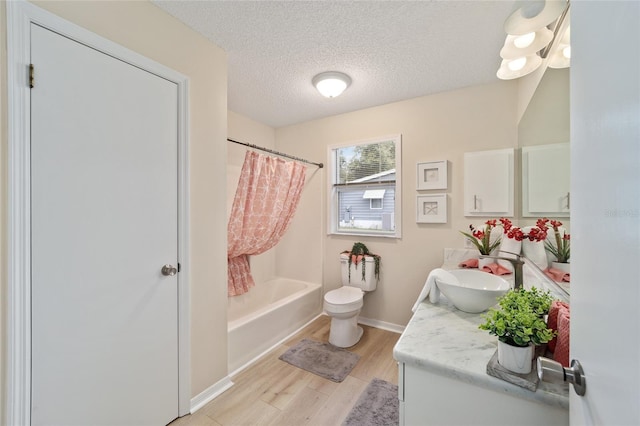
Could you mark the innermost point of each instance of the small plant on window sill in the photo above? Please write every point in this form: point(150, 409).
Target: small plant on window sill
point(358, 253)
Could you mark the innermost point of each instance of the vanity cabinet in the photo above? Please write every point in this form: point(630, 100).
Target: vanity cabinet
point(428, 398)
point(442, 380)
point(545, 180)
point(488, 183)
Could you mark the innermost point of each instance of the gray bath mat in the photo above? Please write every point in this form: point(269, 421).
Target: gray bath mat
point(377, 406)
point(323, 359)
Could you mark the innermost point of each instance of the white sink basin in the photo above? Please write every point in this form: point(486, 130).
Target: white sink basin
point(475, 291)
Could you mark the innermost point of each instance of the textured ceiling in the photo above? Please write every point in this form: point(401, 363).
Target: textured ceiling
point(393, 50)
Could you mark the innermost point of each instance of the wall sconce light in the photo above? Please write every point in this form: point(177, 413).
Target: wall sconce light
point(529, 38)
point(331, 83)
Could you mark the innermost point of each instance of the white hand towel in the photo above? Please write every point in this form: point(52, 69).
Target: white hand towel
point(431, 289)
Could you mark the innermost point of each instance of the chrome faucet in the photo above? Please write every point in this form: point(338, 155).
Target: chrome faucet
point(517, 266)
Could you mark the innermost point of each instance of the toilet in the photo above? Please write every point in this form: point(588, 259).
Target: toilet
point(343, 304)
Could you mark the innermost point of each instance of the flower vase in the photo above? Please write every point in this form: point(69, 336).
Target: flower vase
point(515, 358)
point(482, 262)
point(564, 267)
point(509, 247)
point(534, 250)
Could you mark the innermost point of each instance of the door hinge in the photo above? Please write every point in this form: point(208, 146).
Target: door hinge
point(179, 267)
point(31, 76)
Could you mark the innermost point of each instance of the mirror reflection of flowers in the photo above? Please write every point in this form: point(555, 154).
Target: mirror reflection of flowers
point(537, 233)
point(511, 231)
point(481, 238)
point(561, 250)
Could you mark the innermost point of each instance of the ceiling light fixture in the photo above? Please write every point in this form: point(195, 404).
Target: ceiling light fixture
point(331, 83)
point(528, 37)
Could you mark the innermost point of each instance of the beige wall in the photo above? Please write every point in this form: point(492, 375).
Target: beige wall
point(146, 29)
point(437, 127)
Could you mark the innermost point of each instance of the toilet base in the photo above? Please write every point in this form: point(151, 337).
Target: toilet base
point(345, 333)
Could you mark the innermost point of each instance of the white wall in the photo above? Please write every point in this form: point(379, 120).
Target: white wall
point(146, 29)
point(437, 127)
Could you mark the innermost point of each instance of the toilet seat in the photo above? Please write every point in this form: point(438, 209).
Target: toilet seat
point(343, 299)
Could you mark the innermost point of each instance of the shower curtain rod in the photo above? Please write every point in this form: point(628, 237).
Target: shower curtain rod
point(250, 145)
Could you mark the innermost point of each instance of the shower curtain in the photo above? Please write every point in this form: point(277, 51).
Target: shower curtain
point(266, 199)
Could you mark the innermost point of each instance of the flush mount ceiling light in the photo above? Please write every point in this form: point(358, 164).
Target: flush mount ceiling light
point(529, 38)
point(331, 83)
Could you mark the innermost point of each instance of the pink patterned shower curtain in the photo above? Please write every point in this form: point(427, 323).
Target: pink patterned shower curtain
point(265, 202)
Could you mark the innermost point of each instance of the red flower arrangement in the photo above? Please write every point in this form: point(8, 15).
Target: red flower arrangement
point(562, 249)
point(481, 238)
point(538, 233)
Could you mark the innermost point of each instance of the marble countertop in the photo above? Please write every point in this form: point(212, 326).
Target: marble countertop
point(446, 341)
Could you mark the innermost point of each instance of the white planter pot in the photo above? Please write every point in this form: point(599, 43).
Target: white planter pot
point(507, 247)
point(484, 261)
point(515, 358)
point(534, 251)
point(564, 267)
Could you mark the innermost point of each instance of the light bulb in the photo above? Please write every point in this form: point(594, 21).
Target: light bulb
point(331, 87)
point(566, 52)
point(524, 40)
point(332, 83)
point(517, 64)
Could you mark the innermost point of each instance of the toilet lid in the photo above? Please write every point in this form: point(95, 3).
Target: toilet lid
point(343, 295)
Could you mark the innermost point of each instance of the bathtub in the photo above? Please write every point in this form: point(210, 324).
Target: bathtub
point(267, 314)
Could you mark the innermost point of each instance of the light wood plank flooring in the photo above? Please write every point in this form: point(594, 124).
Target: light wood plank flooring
point(273, 392)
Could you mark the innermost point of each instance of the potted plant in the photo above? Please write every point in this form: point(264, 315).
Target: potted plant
point(481, 238)
point(519, 325)
point(561, 250)
point(358, 253)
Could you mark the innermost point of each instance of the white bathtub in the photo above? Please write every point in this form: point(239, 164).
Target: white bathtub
point(268, 313)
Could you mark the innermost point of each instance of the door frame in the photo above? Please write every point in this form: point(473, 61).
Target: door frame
point(20, 15)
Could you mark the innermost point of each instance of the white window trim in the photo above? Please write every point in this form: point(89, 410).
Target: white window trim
point(332, 195)
point(376, 208)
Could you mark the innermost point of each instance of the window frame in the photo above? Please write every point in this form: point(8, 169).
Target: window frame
point(333, 215)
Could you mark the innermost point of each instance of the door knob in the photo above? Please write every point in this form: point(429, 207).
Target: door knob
point(169, 270)
point(553, 372)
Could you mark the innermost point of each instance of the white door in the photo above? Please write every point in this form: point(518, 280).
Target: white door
point(605, 210)
point(104, 222)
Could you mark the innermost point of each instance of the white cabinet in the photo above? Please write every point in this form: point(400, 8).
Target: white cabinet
point(427, 398)
point(545, 180)
point(488, 183)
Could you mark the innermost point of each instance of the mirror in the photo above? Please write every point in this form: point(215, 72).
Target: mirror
point(543, 135)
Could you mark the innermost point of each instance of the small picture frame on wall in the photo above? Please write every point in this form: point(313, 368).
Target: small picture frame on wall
point(432, 175)
point(431, 208)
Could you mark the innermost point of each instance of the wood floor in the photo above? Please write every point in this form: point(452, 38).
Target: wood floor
point(272, 392)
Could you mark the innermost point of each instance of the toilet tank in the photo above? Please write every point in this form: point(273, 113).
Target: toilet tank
point(370, 281)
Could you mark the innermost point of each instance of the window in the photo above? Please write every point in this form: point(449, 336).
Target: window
point(364, 187)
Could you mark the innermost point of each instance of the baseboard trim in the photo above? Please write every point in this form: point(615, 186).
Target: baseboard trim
point(395, 328)
point(206, 396)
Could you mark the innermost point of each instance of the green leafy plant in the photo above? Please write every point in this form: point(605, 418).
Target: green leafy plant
point(519, 321)
point(358, 253)
point(481, 238)
point(562, 249)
